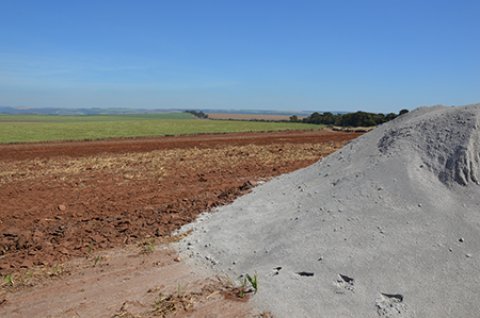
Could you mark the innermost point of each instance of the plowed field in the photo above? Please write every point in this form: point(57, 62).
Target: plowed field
point(62, 200)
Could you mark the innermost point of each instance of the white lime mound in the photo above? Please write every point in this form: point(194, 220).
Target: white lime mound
point(446, 139)
point(389, 226)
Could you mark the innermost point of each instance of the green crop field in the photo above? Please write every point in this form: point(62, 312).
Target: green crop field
point(35, 128)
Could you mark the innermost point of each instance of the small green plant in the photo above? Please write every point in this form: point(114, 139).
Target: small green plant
point(248, 284)
point(253, 282)
point(8, 280)
point(242, 291)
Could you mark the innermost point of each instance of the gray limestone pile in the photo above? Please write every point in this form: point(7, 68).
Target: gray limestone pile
point(388, 226)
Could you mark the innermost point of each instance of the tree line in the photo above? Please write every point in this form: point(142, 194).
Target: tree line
point(357, 119)
point(197, 113)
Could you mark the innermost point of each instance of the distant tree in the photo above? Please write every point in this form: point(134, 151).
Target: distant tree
point(390, 116)
point(403, 111)
point(357, 119)
point(328, 118)
point(294, 118)
point(198, 114)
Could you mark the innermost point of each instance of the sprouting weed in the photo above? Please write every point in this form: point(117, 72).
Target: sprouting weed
point(253, 282)
point(8, 280)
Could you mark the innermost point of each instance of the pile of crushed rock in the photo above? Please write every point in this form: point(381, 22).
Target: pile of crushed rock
point(388, 226)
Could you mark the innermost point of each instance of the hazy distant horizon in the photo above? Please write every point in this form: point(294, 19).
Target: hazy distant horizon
point(244, 110)
point(373, 55)
point(53, 110)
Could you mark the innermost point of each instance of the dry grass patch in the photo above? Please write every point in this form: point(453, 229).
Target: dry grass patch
point(153, 165)
point(31, 277)
point(185, 300)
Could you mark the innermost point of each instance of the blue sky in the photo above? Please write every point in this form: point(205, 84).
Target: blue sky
point(283, 55)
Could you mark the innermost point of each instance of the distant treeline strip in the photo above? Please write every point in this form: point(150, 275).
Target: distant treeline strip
point(198, 114)
point(357, 119)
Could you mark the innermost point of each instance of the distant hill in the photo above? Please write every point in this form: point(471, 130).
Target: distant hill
point(125, 111)
point(80, 111)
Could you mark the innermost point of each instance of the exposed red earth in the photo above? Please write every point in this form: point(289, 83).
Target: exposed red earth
point(63, 203)
point(61, 200)
point(79, 148)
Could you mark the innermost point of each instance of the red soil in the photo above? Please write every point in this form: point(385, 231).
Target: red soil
point(65, 199)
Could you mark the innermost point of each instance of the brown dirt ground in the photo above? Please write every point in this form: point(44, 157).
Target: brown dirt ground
point(126, 283)
point(15, 152)
point(62, 200)
point(70, 202)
